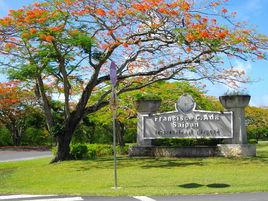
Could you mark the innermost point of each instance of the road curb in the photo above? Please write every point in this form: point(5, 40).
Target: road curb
point(24, 148)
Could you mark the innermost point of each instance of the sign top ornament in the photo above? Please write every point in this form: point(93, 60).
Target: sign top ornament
point(185, 104)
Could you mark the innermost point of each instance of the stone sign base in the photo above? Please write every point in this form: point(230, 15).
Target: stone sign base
point(227, 150)
point(237, 150)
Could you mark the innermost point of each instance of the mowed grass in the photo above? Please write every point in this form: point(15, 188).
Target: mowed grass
point(138, 176)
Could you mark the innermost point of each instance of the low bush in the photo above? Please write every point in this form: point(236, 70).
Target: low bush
point(79, 151)
point(101, 149)
point(253, 141)
point(36, 137)
point(123, 150)
point(186, 142)
point(91, 154)
point(91, 151)
point(257, 133)
point(5, 137)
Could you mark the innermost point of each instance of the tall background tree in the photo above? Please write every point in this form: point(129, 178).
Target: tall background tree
point(68, 45)
point(257, 122)
point(14, 101)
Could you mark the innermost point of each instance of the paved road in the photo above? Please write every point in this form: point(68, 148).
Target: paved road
point(230, 197)
point(8, 155)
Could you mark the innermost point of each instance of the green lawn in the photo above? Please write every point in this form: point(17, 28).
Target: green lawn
point(146, 176)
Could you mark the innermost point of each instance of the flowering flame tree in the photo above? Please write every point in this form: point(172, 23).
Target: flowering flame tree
point(66, 47)
point(13, 103)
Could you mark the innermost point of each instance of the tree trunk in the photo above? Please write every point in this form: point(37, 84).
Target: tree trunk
point(64, 139)
point(65, 136)
point(15, 138)
point(63, 151)
point(257, 137)
point(16, 135)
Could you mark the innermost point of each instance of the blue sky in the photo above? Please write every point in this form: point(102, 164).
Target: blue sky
point(255, 13)
point(252, 11)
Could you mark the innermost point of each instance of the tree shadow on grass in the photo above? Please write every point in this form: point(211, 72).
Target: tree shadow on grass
point(146, 163)
point(196, 185)
point(165, 163)
point(171, 164)
point(251, 160)
point(218, 185)
point(190, 185)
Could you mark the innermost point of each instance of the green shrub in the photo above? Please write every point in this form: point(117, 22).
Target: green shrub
point(91, 154)
point(253, 141)
point(36, 137)
point(259, 133)
point(174, 142)
point(123, 150)
point(186, 142)
point(131, 132)
point(5, 137)
point(79, 151)
point(91, 151)
point(101, 149)
point(102, 136)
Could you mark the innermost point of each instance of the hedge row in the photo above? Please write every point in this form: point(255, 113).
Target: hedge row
point(186, 142)
point(91, 151)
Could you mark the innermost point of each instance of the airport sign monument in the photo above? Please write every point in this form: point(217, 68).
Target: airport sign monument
point(187, 122)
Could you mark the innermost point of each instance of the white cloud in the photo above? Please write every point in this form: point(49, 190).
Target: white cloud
point(245, 66)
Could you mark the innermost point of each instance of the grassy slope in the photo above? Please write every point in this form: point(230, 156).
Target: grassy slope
point(138, 176)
